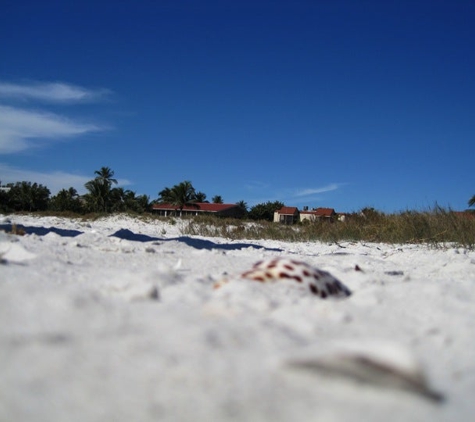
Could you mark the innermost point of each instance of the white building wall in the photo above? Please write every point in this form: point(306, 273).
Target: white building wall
point(307, 217)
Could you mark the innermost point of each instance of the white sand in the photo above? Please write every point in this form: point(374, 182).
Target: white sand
point(95, 327)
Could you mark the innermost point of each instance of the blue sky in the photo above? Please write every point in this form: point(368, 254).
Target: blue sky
point(341, 104)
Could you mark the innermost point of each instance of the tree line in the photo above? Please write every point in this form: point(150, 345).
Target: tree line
point(101, 197)
point(104, 197)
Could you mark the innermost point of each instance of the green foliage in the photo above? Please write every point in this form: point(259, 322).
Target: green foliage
point(179, 195)
point(99, 197)
point(217, 199)
point(102, 197)
point(106, 176)
point(265, 211)
point(97, 200)
point(66, 200)
point(25, 196)
point(201, 197)
point(126, 200)
point(141, 204)
point(243, 205)
point(4, 199)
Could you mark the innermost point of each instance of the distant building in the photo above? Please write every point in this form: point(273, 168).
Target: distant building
point(317, 214)
point(199, 208)
point(287, 215)
point(291, 215)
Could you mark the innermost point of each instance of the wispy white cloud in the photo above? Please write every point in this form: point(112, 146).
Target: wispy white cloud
point(19, 128)
point(51, 92)
point(314, 191)
point(54, 181)
point(24, 128)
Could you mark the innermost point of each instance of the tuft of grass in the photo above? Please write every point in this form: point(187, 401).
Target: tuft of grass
point(17, 230)
point(14, 229)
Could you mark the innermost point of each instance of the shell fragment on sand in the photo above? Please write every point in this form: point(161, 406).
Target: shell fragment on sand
point(374, 363)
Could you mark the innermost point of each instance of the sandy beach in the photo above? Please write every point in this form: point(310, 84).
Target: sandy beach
point(118, 320)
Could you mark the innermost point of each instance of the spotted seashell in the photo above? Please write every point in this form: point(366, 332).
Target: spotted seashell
point(318, 282)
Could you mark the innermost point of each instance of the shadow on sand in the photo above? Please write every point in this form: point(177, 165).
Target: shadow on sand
point(189, 241)
point(40, 231)
point(129, 235)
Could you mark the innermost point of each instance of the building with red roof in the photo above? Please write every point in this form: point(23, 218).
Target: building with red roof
point(199, 208)
point(317, 214)
point(291, 215)
point(286, 215)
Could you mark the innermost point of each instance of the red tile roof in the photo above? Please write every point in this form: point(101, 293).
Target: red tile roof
point(288, 210)
point(198, 206)
point(321, 212)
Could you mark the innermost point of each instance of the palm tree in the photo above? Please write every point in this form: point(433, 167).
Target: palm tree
point(66, 200)
point(217, 199)
point(165, 195)
point(242, 204)
point(27, 196)
point(98, 196)
point(106, 176)
point(179, 195)
point(100, 189)
point(141, 203)
point(122, 200)
point(201, 197)
point(118, 199)
point(471, 201)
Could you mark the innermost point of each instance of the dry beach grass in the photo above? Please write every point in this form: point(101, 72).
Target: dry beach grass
point(435, 227)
